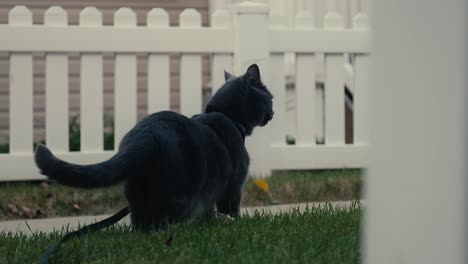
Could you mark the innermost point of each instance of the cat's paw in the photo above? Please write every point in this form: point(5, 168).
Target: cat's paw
point(225, 218)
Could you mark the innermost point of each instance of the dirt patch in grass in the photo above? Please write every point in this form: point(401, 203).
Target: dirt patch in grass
point(38, 200)
point(25, 200)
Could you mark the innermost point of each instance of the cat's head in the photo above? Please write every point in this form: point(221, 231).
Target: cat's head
point(243, 99)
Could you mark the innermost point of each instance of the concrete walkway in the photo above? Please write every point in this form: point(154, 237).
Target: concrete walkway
point(31, 226)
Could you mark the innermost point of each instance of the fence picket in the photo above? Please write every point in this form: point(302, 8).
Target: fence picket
point(277, 85)
point(91, 101)
point(125, 81)
point(282, 124)
point(221, 61)
point(334, 84)
point(305, 98)
point(21, 92)
point(190, 70)
point(305, 86)
point(56, 88)
point(361, 84)
point(158, 67)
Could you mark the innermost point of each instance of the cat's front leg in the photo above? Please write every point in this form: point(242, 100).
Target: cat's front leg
point(209, 213)
point(230, 202)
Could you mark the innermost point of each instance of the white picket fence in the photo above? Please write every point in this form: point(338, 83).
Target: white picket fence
point(238, 37)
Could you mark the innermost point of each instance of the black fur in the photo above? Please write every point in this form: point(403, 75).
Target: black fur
point(176, 167)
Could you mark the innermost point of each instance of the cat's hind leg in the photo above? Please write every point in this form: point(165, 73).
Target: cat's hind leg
point(229, 203)
point(146, 220)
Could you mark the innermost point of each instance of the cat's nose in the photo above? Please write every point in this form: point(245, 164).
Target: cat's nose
point(270, 116)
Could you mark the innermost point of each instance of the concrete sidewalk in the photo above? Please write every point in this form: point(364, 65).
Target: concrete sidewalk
point(31, 226)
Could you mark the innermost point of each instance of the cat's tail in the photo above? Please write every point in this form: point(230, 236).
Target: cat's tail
point(101, 174)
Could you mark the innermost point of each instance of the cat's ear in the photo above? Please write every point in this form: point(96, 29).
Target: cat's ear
point(227, 76)
point(253, 73)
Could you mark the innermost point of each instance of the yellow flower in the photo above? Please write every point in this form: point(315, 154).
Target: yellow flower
point(262, 185)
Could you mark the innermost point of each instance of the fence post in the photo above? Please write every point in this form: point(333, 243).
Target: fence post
point(251, 36)
point(251, 25)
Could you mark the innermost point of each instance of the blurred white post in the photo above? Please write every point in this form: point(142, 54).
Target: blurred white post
point(419, 127)
point(251, 25)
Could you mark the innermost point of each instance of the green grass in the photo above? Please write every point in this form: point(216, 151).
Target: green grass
point(318, 235)
point(305, 186)
point(36, 200)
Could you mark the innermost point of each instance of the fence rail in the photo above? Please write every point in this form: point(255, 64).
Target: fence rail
point(234, 40)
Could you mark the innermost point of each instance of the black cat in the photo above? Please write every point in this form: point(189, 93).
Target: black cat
point(176, 167)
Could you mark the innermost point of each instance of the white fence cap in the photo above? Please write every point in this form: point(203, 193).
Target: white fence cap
point(249, 7)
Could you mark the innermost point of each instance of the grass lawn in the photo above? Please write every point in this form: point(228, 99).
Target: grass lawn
point(318, 235)
point(39, 200)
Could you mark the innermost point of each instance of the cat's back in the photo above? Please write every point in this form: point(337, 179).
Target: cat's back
point(156, 124)
point(175, 140)
point(159, 122)
point(166, 116)
point(201, 139)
